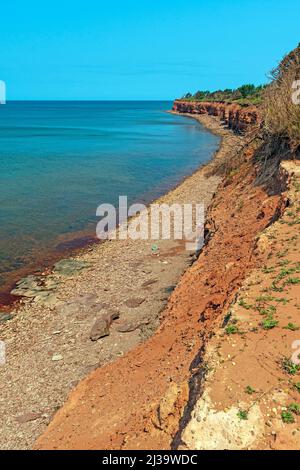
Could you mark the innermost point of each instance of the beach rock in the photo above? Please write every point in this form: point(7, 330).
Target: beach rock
point(69, 308)
point(4, 316)
point(50, 282)
point(26, 417)
point(100, 329)
point(85, 304)
point(28, 281)
point(57, 357)
point(149, 283)
point(169, 289)
point(47, 299)
point(101, 326)
point(133, 303)
point(38, 288)
point(68, 267)
point(85, 299)
point(27, 287)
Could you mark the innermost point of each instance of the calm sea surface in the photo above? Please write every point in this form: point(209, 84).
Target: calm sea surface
point(60, 160)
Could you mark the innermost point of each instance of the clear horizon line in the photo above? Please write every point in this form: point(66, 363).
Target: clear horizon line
point(90, 100)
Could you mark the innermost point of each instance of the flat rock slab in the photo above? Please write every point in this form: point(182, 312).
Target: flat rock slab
point(38, 288)
point(26, 417)
point(85, 304)
point(68, 267)
point(134, 303)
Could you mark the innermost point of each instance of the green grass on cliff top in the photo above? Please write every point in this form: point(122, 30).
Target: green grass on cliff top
point(245, 95)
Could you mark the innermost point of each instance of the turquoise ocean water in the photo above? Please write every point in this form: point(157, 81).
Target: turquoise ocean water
point(60, 160)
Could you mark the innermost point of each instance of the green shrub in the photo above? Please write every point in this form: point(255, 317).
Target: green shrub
point(231, 329)
point(294, 408)
point(242, 414)
point(287, 417)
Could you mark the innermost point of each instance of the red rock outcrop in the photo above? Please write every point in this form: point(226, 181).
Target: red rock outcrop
point(236, 117)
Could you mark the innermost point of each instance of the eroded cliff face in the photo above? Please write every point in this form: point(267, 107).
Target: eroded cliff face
point(236, 117)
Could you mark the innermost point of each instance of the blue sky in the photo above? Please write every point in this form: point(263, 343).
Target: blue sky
point(140, 49)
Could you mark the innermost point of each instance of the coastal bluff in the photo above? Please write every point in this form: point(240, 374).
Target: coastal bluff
point(210, 377)
point(236, 117)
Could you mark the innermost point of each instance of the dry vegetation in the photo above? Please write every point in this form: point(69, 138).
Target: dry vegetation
point(280, 133)
point(281, 115)
point(278, 137)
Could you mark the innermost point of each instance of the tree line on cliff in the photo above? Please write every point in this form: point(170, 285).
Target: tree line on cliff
point(244, 95)
point(275, 97)
point(279, 103)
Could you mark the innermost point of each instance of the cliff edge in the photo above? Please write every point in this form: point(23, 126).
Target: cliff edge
point(235, 117)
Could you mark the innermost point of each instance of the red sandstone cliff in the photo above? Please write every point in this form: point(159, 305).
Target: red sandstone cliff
point(237, 118)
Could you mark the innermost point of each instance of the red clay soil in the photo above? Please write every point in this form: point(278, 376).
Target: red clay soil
point(138, 400)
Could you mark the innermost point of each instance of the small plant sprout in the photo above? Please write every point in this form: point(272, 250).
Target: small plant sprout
point(269, 323)
point(231, 329)
point(290, 367)
point(291, 326)
point(267, 270)
point(281, 254)
point(297, 386)
point(276, 288)
point(250, 390)
point(284, 262)
point(265, 298)
point(242, 414)
point(282, 300)
point(244, 304)
point(287, 417)
point(293, 280)
point(267, 310)
point(294, 408)
point(285, 272)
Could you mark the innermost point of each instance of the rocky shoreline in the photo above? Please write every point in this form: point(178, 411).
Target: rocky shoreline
point(89, 311)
